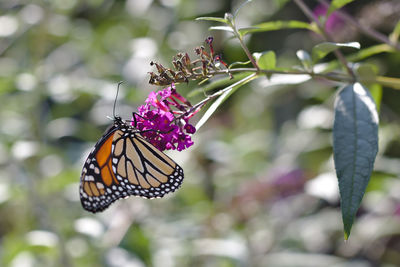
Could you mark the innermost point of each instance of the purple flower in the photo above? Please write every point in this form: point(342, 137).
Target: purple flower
point(332, 22)
point(190, 128)
point(164, 120)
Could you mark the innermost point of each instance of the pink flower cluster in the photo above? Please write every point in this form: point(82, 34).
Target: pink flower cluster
point(164, 120)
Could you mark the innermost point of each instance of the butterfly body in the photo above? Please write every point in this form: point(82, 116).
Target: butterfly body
point(123, 164)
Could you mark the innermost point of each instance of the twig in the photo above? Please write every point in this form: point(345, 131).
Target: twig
point(330, 76)
point(325, 35)
point(242, 44)
point(365, 29)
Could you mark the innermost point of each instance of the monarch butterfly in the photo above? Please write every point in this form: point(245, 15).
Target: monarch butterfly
point(122, 164)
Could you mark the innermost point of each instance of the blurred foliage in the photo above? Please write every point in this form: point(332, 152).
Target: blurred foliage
point(259, 189)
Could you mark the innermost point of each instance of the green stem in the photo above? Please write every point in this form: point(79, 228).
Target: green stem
point(331, 76)
point(231, 23)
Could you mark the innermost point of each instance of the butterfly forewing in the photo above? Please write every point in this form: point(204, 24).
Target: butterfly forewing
point(98, 179)
point(123, 163)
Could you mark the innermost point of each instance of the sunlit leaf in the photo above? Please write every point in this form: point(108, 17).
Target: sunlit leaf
point(221, 28)
point(222, 20)
point(321, 50)
point(376, 93)
point(266, 60)
point(276, 25)
point(394, 36)
point(361, 54)
point(305, 59)
point(355, 145)
point(370, 51)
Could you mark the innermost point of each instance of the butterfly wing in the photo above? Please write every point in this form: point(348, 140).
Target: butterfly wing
point(123, 163)
point(141, 168)
point(97, 179)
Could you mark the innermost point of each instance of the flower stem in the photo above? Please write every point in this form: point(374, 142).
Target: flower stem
point(218, 93)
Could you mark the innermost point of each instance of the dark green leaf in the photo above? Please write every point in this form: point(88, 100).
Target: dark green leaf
point(355, 144)
point(321, 50)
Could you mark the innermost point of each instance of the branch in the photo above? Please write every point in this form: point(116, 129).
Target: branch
point(330, 76)
point(365, 29)
point(232, 24)
point(325, 35)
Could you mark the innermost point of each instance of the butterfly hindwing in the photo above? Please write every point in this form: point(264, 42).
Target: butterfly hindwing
point(141, 168)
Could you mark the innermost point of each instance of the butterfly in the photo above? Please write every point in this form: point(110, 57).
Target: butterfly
point(122, 164)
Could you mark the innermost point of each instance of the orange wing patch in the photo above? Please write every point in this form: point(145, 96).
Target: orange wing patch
point(103, 157)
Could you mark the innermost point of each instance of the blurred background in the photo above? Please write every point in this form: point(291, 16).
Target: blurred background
point(260, 187)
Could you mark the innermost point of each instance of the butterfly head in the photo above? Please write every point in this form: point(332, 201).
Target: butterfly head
point(118, 120)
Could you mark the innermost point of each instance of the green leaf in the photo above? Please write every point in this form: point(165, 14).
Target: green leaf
point(321, 50)
point(222, 20)
point(355, 144)
point(266, 60)
point(365, 71)
point(336, 4)
point(227, 92)
point(370, 51)
point(360, 55)
point(305, 59)
point(276, 25)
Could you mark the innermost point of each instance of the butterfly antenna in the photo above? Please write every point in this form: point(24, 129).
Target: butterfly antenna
point(116, 96)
